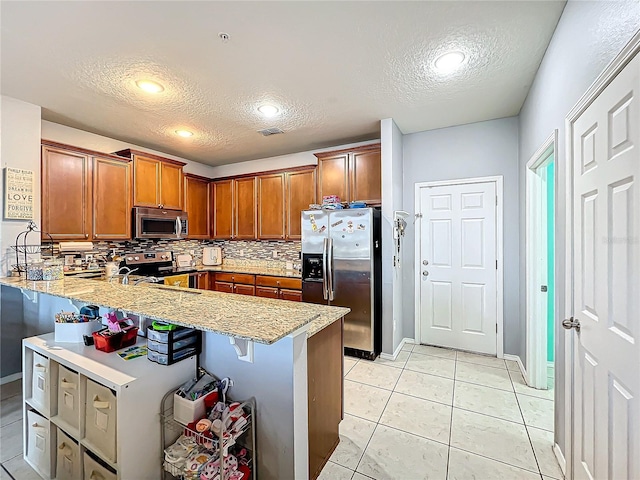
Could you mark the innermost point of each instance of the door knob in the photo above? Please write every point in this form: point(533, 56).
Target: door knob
point(569, 323)
point(425, 274)
point(425, 262)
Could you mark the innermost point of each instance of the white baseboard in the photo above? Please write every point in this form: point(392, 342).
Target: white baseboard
point(516, 359)
point(11, 378)
point(387, 356)
point(561, 461)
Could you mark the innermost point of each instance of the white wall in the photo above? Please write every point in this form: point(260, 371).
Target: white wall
point(392, 306)
point(19, 148)
point(91, 141)
point(476, 150)
point(276, 163)
point(587, 38)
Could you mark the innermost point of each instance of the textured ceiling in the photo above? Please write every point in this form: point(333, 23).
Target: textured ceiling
point(334, 68)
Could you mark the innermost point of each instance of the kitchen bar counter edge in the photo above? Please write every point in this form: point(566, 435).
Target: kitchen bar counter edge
point(261, 320)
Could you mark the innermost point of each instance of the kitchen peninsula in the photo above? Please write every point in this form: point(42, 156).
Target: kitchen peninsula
point(287, 355)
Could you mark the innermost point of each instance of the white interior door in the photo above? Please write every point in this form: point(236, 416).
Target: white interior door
point(606, 282)
point(458, 266)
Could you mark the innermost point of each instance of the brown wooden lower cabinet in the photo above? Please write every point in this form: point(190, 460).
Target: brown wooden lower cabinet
point(325, 394)
point(202, 280)
point(244, 289)
point(283, 288)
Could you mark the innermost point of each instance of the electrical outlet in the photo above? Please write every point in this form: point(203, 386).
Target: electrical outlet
point(241, 253)
point(275, 254)
point(192, 252)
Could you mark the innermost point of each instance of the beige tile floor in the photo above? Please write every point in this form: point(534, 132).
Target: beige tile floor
point(430, 414)
point(439, 414)
point(12, 464)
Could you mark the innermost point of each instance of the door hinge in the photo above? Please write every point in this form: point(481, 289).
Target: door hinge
point(496, 264)
point(496, 328)
point(496, 200)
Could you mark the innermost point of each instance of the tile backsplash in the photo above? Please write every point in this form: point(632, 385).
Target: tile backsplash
point(231, 250)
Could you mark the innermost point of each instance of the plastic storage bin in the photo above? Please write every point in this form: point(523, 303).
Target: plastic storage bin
point(186, 411)
point(69, 397)
point(170, 359)
point(68, 460)
point(124, 339)
point(100, 419)
point(73, 332)
point(39, 443)
point(169, 336)
point(40, 383)
point(171, 347)
point(94, 470)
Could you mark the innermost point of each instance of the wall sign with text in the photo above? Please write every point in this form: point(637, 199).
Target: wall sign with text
point(18, 200)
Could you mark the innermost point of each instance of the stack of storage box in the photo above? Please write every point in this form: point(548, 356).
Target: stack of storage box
point(167, 347)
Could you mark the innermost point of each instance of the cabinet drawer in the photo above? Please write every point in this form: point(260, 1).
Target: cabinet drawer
point(225, 287)
point(40, 386)
point(243, 278)
point(93, 470)
point(39, 442)
point(291, 295)
point(279, 282)
point(100, 419)
point(266, 292)
point(244, 290)
point(69, 397)
point(69, 463)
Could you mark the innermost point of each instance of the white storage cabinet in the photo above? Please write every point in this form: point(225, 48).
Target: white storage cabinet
point(92, 415)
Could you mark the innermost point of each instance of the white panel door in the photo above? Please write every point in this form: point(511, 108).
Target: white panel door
point(606, 282)
point(458, 275)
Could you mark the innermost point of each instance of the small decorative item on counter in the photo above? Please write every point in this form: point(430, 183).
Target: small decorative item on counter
point(47, 270)
point(330, 199)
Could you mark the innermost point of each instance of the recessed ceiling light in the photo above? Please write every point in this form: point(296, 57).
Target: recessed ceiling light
point(268, 110)
point(184, 133)
point(448, 62)
point(149, 86)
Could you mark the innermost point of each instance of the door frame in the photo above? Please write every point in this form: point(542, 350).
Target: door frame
point(535, 273)
point(630, 50)
point(498, 180)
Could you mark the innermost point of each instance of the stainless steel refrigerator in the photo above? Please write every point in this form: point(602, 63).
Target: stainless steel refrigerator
point(341, 265)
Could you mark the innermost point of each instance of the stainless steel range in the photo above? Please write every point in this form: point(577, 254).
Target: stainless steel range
point(155, 264)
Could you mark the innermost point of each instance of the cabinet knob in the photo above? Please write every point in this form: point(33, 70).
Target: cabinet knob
point(86, 235)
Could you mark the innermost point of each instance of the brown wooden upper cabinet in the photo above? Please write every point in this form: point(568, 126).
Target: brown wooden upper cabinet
point(301, 192)
point(85, 196)
point(66, 194)
point(271, 206)
point(352, 175)
point(222, 209)
point(111, 199)
point(196, 204)
point(157, 181)
point(245, 204)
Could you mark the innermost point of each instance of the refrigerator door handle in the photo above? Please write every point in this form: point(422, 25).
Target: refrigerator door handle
point(325, 289)
point(330, 270)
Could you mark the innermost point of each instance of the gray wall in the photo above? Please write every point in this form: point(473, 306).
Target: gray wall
point(392, 305)
point(587, 38)
point(476, 150)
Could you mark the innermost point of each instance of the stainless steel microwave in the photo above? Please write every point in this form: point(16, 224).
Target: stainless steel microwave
point(159, 223)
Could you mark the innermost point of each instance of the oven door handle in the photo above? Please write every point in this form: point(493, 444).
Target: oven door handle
point(178, 228)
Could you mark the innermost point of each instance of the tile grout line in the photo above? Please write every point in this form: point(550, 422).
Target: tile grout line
point(453, 396)
point(526, 429)
point(7, 471)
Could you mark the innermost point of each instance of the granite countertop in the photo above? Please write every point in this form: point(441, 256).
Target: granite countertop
point(262, 320)
point(253, 270)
